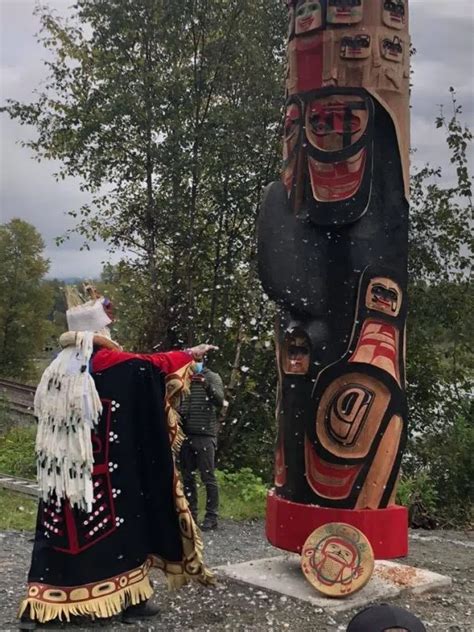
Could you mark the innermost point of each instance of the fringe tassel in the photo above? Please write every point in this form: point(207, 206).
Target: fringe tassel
point(192, 566)
point(100, 607)
point(68, 407)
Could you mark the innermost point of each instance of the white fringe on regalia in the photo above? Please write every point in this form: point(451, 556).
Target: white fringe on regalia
point(68, 407)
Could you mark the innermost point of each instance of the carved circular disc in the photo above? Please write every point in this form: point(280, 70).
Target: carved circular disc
point(337, 559)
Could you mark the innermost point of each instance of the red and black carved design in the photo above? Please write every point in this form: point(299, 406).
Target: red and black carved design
point(347, 412)
point(72, 531)
point(360, 403)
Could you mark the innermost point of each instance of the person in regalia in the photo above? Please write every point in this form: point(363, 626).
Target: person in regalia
point(112, 504)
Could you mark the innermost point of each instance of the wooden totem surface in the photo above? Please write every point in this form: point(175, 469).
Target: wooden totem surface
point(332, 239)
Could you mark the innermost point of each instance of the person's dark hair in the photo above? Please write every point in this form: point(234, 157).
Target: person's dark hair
point(385, 618)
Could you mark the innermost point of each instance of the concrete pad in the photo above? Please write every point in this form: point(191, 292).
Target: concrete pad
point(283, 575)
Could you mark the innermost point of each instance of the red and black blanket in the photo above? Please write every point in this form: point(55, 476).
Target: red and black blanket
point(97, 563)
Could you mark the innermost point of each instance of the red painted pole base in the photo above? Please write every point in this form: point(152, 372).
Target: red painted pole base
point(288, 525)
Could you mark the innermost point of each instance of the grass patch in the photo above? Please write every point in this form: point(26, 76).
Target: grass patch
point(242, 495)
point(17, 511)
point(17, 452)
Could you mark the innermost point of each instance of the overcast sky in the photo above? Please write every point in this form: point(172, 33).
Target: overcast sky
point(441, 32)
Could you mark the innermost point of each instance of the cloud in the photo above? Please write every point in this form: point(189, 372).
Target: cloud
point(453, 11)
point(67, 263)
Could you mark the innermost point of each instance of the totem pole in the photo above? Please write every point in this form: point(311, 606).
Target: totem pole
point(332, 239)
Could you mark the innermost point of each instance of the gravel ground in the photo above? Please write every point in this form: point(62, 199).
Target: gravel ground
point(235, 607)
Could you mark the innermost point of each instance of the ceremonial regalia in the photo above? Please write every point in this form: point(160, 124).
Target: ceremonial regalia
point(100, 529)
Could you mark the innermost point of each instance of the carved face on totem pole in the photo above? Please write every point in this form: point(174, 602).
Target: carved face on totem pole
point(344, 11)
point(308, 16)
point(333, 254)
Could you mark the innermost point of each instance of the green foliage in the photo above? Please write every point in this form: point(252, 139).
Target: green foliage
point(17, 446)
point(418, 493)
point(439, 473)
point(17, 452)
point(24, 301)
point(5, 417)
point(57, 310)
point(242, 495)
point(173, 107)
point(438, 463)
point(17, 512)
point(243, 484)
point(441, 239)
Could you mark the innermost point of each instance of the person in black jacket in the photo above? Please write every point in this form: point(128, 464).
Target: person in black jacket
point(199, 413)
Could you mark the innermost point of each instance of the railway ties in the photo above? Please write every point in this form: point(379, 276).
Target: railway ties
point(20, 485)
point(19, 398)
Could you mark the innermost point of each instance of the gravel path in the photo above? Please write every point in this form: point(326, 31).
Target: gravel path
point(234, 607)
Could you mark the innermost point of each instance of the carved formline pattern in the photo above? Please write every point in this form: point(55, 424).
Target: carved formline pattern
point(332, 253)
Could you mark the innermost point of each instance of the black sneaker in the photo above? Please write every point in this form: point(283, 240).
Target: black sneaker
point(209, 524)
point(143, 610)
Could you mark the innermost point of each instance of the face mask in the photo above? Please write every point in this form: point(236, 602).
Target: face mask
point(199, 367)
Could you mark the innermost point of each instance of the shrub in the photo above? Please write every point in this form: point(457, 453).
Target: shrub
point(242, 494)
point(418, 494)
point(437, 485)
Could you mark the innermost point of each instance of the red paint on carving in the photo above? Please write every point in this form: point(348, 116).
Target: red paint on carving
point(336, 181)
point(289, 524)
point(317, 469)
point(309, 63)
point(372, 338)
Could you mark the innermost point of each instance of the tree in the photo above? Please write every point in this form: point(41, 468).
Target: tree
point(169, 112)
point(440, 361)
point(24, 301)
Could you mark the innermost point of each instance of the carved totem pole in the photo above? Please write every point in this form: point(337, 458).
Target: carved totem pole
point(333, 255)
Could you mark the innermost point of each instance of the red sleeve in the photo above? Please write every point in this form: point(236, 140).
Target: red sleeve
point(167, 362)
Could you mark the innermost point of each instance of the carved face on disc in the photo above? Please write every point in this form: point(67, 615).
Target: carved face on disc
point(308, 16)
point(337, 559)
point(337, 555)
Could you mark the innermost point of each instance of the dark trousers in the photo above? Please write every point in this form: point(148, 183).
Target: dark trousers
point(198, 452)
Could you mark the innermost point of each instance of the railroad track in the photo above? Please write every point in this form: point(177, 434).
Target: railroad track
point(20, 397)
point(21, 485)
point(19, 400)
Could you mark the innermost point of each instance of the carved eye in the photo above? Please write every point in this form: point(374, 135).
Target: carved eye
point(319, 125)
point(384, 294)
